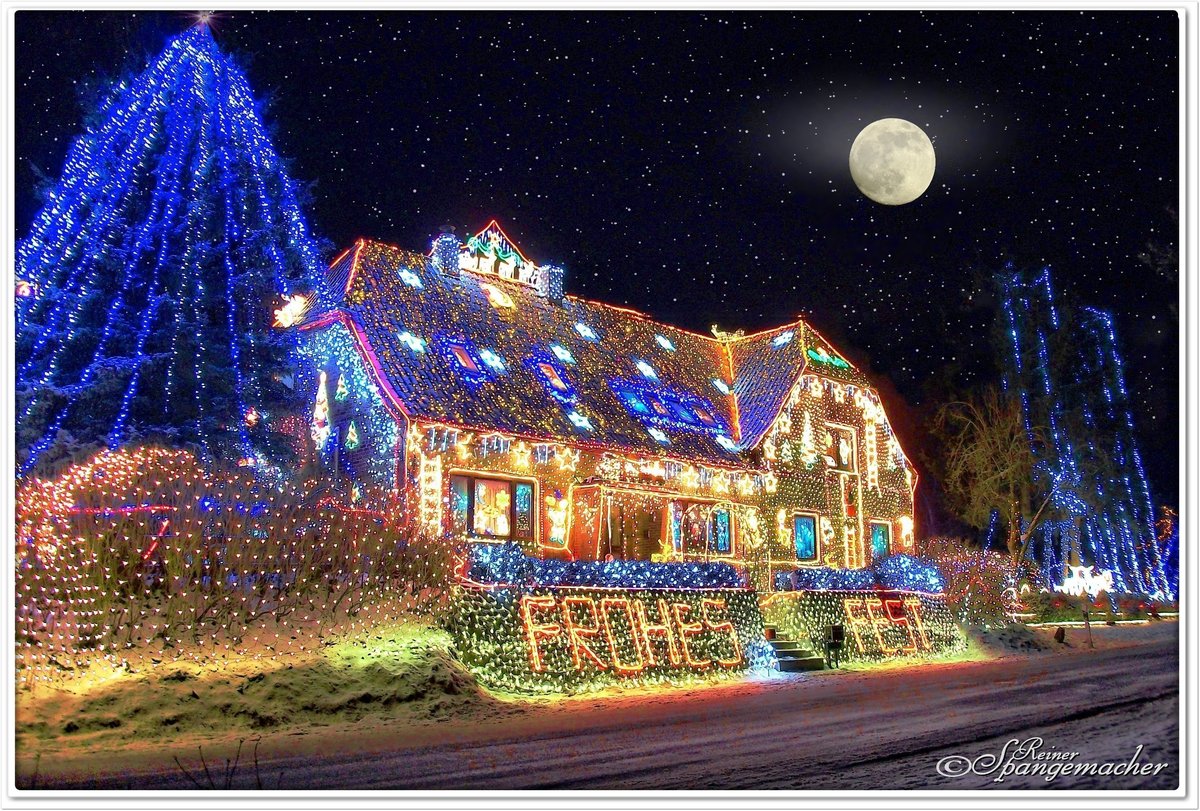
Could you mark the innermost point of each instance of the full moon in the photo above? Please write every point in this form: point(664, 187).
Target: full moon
point(892, 161)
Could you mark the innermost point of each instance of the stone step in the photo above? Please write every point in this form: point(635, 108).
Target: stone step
point(798, 664)
point(789, 646)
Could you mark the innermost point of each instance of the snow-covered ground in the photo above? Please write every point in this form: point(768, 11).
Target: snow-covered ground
point(865, 728)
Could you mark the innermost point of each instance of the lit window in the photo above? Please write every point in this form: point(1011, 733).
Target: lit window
point(782, 339)
point(463, 357)
point(881, 539)
point(659, 435)
point(411, 279)
point(416, 345)
point(586, 332)
point(580, 421)
point(634, 401)
point(493, 361)
point(562, 353)
point(658, 405)
point(665, 342)
point(491, 508)
point(647, 370)
point(720, 532)
point(721, 385)
point(727, 443)
point(804, 536)
point(551, 376)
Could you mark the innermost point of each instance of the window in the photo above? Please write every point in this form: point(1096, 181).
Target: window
point(551, 376)
point(720, 532)
point(491, 508)
point(704, 416)
point(701, 530)
point(634, 401)
point(682, 412)
point(464, 358)
point(804, 536)
point(881, 539)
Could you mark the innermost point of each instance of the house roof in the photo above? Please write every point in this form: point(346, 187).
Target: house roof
point(572, 370)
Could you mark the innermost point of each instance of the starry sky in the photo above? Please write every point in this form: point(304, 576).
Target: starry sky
point(694, 165)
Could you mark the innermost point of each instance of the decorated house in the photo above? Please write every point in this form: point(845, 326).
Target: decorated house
point(469, 387)
point(465, 390)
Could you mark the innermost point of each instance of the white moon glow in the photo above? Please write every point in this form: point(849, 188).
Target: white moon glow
point(892, 161)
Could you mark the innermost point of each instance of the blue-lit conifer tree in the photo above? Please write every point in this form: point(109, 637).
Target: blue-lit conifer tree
point(147, 283)
point(1068, 373)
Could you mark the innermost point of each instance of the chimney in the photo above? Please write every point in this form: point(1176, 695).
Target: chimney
point(444, 256)
point(550, 282)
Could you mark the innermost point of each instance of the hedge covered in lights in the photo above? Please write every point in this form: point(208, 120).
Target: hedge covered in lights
point(896, 572)
point(570, 640)
point(507, 564)
point(878, 624)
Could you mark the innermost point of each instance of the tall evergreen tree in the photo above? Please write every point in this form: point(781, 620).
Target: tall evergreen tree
point(147, 283)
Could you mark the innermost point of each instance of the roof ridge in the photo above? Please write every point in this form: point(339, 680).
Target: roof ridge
point(630, 311)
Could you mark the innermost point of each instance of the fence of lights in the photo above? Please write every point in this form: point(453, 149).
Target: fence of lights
point(1092, 461)
point(149, 279)
point(140, 550)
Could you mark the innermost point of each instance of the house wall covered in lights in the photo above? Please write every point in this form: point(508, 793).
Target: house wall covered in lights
point(465, 388)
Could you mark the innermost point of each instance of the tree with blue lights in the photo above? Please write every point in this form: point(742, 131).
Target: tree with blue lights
point(146, 284)
point(1065, 368)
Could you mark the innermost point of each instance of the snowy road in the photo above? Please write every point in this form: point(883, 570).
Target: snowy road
point(882, 729)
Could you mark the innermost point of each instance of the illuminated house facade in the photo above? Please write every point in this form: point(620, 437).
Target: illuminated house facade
point(464, 387)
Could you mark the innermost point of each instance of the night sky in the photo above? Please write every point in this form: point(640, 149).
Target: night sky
point(694, 165)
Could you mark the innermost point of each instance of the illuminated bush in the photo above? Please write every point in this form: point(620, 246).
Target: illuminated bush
point(141, 549)
point(506, 563)
point(897, 572)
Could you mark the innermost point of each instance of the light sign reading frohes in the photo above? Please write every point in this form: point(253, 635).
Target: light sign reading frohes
point(573, 638)
point(661, 632)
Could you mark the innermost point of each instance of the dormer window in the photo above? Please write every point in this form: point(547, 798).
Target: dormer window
point(660, 408)
point(411, 279)
point(586, 332)
point(665, 342)
point(721, 385)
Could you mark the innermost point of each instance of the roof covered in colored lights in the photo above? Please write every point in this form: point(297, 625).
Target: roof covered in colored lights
point(478, 350)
